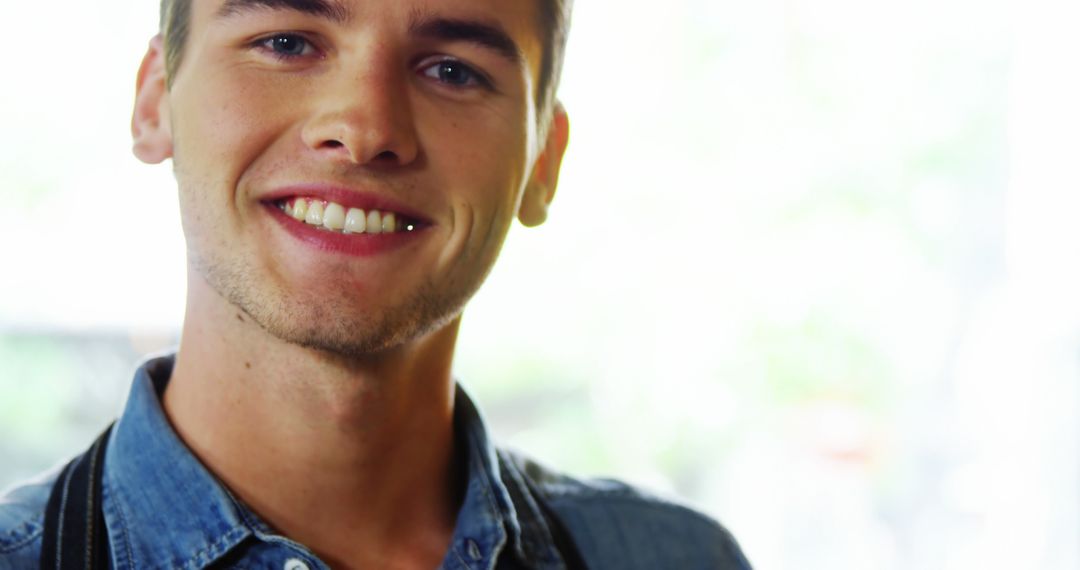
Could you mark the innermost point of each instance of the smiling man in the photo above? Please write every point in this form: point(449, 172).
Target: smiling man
point(347, 173)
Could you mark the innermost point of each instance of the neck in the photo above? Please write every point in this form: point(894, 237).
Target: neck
point(351, 457)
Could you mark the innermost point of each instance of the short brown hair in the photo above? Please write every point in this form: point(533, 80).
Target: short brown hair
point(554, 22)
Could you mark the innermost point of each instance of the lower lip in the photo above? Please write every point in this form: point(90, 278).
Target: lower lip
point(359, 245)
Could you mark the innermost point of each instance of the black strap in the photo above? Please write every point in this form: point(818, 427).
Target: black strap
point(563, 542)
point(512, 474)
point(75, 537)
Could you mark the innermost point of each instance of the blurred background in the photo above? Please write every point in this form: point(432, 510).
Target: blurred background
point(812, 267)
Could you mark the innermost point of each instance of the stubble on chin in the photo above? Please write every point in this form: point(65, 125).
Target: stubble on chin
point(328, 326)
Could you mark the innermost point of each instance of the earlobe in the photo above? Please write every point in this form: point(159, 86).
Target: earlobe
point(545, 176)
point(151, 131)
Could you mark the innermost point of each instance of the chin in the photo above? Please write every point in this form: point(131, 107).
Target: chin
point(351, 338)
point(329, 319)
point(340, 327)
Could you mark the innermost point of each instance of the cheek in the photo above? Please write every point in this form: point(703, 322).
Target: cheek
point(481, 165)
point(222, 122)
point(483, 155)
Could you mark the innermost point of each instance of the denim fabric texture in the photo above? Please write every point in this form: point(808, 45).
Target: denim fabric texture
point(163, 509)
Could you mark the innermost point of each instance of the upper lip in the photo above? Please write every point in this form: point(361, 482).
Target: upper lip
point(347, 197)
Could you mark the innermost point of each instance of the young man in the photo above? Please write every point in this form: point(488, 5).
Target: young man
point(347, 172)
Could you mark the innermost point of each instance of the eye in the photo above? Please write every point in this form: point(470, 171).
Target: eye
point(455, 73)
point(285, 46)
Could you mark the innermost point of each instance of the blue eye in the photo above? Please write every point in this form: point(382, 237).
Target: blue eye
point(455, 73)
point(287, 45)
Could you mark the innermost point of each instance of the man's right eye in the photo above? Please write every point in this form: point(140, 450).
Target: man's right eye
point(287, 46)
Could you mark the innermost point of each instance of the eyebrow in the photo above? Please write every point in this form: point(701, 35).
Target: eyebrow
point(484, 34)
point(329, 9)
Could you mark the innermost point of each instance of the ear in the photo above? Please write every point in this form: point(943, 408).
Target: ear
point(545, 175)
point(151, 131)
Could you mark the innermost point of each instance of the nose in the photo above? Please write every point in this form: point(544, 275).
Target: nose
point(364, 117)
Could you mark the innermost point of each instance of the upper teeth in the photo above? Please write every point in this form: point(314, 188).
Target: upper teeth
point(335, 217)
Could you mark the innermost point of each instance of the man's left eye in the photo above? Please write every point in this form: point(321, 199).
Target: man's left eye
point(454, 73)
point(287, 45)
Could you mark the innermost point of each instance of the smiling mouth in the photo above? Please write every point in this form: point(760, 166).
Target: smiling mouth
point(333, 217)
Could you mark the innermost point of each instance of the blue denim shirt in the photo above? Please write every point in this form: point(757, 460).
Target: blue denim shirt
point(163, 509)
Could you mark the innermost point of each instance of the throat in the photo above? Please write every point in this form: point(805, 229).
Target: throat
point(388, 488)
point(333, 454)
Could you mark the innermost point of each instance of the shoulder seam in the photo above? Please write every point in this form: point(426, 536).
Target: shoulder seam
point(559, 486)
point(638, 501)
point(692, 518)
point(34, 528)
point(565, 493)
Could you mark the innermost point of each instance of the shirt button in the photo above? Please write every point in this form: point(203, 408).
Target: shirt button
point(296, 564)
point(474, 549)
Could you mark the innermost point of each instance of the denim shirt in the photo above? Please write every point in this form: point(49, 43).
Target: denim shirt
point(163, 509)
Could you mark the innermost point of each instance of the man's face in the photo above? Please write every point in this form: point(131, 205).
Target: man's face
point(423, 110)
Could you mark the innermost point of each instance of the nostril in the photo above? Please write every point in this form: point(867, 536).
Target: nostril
point(333, 144)
point(387, 156)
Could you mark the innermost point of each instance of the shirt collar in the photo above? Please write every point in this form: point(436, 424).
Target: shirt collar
point(168, 509)
point(499, 503)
